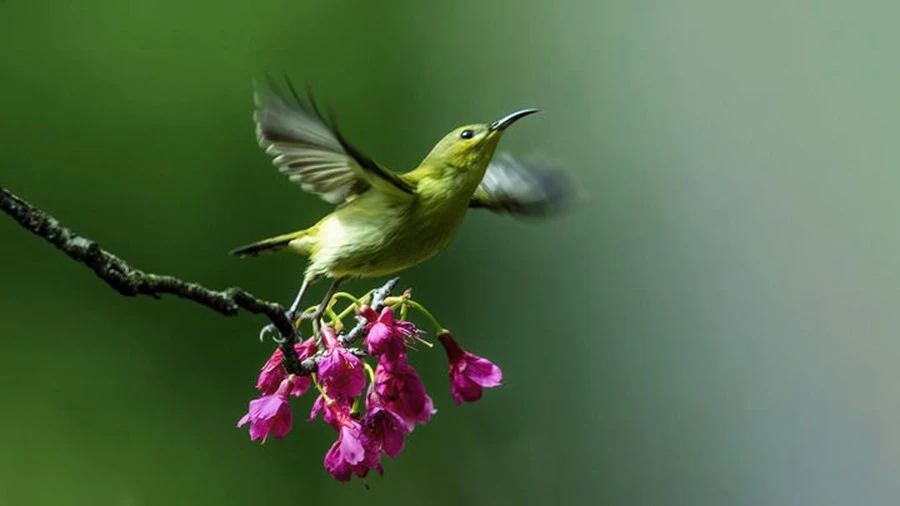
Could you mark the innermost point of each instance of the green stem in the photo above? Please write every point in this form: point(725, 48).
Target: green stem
point(420, 308)
point(319, 388)
point(335, 319)
point(369, 371)
point(346, 312)
point(345, 295)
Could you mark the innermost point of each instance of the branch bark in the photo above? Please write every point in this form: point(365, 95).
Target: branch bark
point(132, 282)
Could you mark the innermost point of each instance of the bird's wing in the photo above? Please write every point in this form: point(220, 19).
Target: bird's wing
point(512, 187)
point(312, 153)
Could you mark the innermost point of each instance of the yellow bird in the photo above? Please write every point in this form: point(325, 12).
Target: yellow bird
point(385, 222)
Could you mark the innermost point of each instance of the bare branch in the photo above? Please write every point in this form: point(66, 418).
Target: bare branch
point(377, 304)
point(132, 282)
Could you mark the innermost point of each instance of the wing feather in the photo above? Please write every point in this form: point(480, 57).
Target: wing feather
point(510, 186)
point(312, 153)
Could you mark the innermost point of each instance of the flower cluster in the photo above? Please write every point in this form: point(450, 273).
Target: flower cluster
point(394, 402)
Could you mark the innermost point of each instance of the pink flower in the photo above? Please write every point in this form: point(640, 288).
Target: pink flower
point(353, 452)
point(400, 390)
point(387, 337)
point(469, 374)
point(320, 406)
point(340, 372)
point(273, 372)
point(270, 414)
point(385, 430)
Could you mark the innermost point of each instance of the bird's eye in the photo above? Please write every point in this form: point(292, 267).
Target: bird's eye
point(466, 134)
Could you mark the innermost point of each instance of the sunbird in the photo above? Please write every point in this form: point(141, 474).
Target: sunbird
point(385, 222)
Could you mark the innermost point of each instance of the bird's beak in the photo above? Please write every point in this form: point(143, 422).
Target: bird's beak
point(509, 119)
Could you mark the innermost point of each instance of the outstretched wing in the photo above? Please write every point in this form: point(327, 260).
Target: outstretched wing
point(312, 153)
point(513, 187)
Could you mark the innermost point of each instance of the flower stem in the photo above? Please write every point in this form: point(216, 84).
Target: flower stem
point(319, 388)
point(420, 308)
point(335, 319)
point(369, 371)
point(346, 312)
point(345, 295)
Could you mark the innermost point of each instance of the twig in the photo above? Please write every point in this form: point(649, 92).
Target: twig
point(377, 304)
point(132, 282)
point(308, 366)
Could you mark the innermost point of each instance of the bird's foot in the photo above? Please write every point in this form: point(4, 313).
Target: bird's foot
point(295, 319)
point(270, 329)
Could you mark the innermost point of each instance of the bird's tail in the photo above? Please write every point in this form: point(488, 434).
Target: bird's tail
point(270, 245)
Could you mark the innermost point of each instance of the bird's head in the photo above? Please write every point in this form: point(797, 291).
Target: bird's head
point(469, 148)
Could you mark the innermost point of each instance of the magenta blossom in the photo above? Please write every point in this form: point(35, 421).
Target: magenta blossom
point(360, 443)
point(387, 337)
point(385, 430)
point(469, 374)
point(270, 414)
point(395, 398)
point(400, 390)
point(273, 372)
point(338, 404)
point(340, 372)
point(353, 452)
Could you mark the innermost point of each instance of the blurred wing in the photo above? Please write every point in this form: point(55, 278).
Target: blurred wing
point(513, 187)
point(313, 154)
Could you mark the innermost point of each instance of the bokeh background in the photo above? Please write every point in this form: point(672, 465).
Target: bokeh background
point(715, 324)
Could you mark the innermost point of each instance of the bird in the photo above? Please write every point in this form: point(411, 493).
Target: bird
point(385, 222)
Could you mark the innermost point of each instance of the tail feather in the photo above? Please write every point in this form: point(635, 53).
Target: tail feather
point(269, 245)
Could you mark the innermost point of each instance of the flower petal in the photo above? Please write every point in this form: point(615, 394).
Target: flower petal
point(392, 440)
point(482, 371)
point(301, 385)
point(463, 388)
point(401, 390)
point(384, 430)
point(342, 373)
point(352, 449)
point(306, 349)
point(282, 422)
point(335, 464)
point(317, 407)
point(272, 374)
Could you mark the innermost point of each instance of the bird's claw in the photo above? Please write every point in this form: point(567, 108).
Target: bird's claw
point(270, 329)
point(276, 334)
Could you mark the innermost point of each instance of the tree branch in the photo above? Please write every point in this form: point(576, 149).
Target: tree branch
point(132, 282)
point(377, 304)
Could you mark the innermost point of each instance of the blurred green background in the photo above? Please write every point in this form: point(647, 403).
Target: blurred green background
point(716, 324)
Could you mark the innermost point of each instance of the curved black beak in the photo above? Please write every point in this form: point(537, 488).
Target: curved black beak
point(511, 118)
